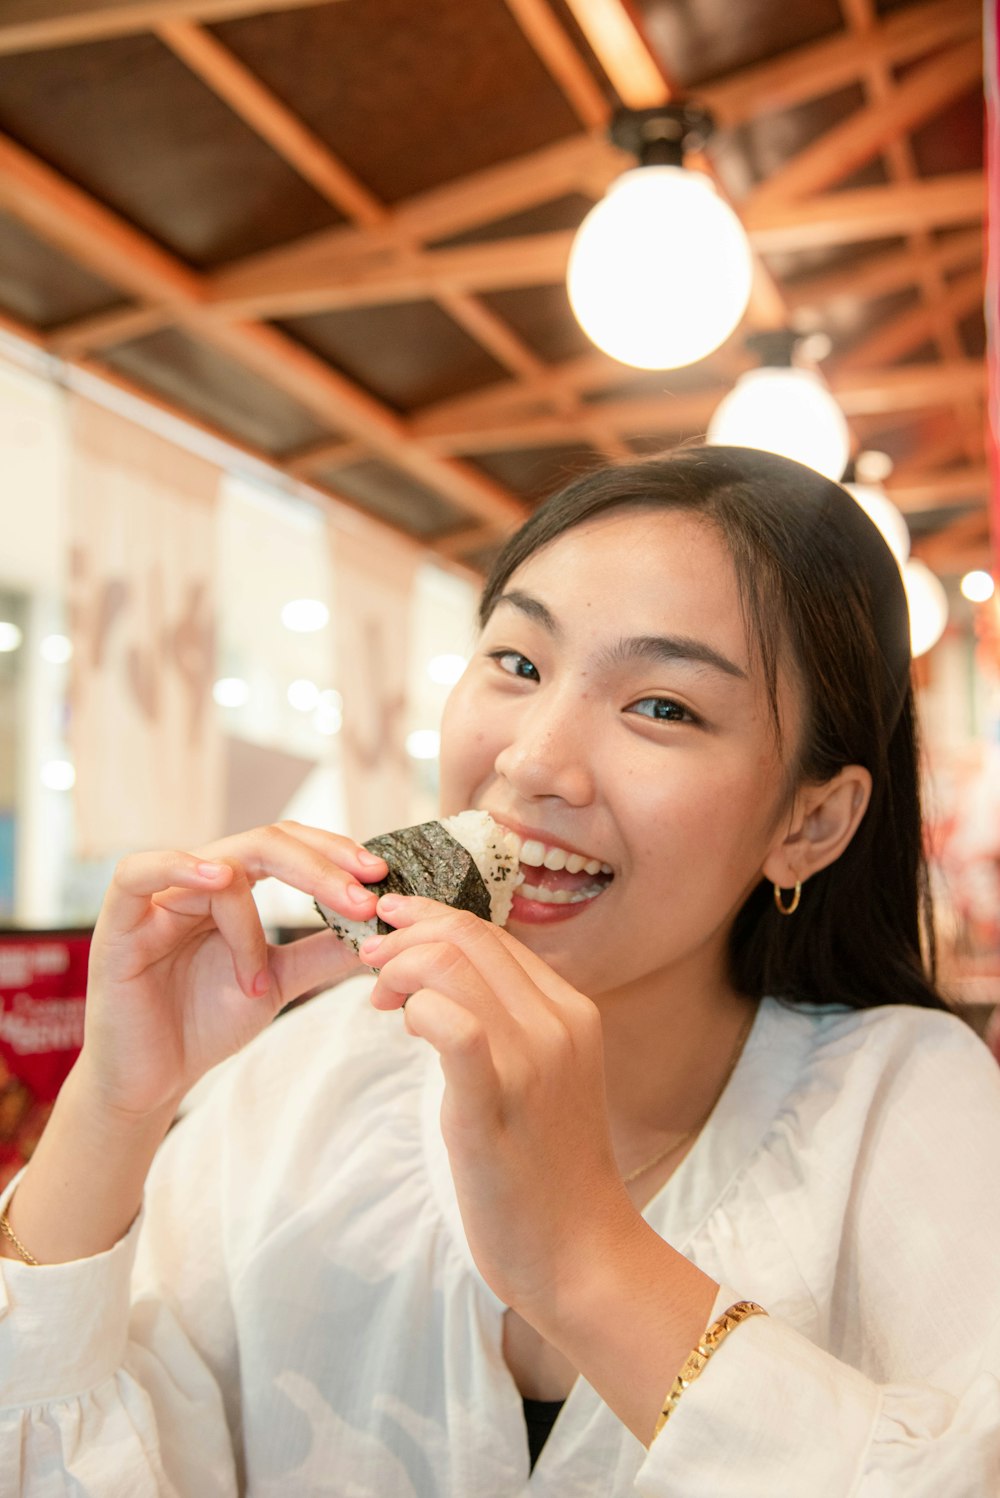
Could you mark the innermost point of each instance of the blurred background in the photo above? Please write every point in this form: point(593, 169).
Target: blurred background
point(305, 304)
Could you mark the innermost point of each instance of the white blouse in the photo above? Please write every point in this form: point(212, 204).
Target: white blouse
point(304, 1317)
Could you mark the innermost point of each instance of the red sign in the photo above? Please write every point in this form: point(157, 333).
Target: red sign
point(43, 982)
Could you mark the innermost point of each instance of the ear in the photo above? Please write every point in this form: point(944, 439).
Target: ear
point(822, 820)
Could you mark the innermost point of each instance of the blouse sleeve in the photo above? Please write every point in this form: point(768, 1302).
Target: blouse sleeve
point(115, 1370)
point(775, 1414)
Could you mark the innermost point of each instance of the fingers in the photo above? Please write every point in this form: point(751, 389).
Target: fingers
point(325, 865)
point(461, 1040)
point(494, 952)
point(139, 876)
point(316, 961)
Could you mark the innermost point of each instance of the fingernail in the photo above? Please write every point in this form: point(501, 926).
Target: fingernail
point(210, 870)
point(370, 946)
point(358, 895)
point(262, 982)
point(370, 860)
point(389, 903)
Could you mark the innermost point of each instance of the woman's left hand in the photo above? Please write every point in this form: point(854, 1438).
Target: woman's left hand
point(524, 1115)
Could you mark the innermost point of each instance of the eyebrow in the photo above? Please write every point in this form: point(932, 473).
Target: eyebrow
point(657, 649)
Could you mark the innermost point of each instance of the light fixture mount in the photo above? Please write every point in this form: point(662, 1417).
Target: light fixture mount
point(662, 135)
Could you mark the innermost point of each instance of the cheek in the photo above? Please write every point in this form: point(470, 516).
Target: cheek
point(466, 752)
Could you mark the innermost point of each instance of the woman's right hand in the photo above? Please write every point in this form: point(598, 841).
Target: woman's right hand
point(181, 974)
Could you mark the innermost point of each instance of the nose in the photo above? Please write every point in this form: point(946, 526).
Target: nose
point(548, 750)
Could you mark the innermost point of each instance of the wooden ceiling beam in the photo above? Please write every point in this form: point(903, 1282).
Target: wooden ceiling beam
point(859, 137)
point(540, 259)
point(86, 335)
point(68, 217)
point(266, 114)
point(34, 25)
point(879, 275)
point(466, 203)
point(410, 275)
point(85, 231)
point(617, 41)
point(943, 306)
point(820, 68)
point(959, 547)
point(864, 213)
point(863, 392)
point(908, 330)
point(553, 45)
point(959, 486)
point(259, 108)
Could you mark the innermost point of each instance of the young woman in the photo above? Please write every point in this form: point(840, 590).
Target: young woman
point(391, 1241)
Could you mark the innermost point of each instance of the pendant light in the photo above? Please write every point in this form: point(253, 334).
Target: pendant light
point(783, 408)
point(863, 482)
point(927, 602)
point(660, 270)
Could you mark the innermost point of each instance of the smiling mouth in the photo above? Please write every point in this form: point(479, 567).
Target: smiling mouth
point(554, 876)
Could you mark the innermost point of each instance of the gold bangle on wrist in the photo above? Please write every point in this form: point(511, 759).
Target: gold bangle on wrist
point(699, 1356)
point(8, 1232)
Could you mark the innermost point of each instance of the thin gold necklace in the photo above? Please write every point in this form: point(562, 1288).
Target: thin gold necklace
point(680, 1139)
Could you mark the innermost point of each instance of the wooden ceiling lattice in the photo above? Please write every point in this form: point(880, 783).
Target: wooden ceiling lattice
point(336, 231)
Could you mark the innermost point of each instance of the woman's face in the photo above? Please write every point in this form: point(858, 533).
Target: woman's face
point(612, 711)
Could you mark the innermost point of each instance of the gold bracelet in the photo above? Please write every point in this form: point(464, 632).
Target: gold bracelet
point(699, 1356)
point(8, 1232)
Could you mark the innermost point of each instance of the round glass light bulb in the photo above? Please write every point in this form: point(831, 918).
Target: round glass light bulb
point(56, 649)
point(446, 669)
point(785, 411)
point(329, 715)
point(660, 270)
point(423, 743)
point(10, 636)
point(231, 691)
point(58, 775)
point(303, 695)
point(882, 512)
point(305, 615)
point(977, 586)
point(928, 605)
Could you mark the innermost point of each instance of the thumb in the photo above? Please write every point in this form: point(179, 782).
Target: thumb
point(316, 961)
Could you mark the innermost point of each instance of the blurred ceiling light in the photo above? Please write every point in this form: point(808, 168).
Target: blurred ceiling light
point(303, 695)
point(305, 615)
point(783, 409)
point(660, 270)
point(977, 586)
point(928, 605)
point(58, 775)
point(10, 636)
point(423, 743)
point(329, 715)
point(57, 649)
point(882, 512)
point(231, 691)
point(872, 466)
point(446, 669)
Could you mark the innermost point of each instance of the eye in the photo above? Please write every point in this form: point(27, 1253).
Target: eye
point(513, 663)
point(663, 710)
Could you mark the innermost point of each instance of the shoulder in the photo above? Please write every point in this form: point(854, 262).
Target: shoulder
point(891, 1083)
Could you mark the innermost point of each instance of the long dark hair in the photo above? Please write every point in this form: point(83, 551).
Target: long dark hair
point(818, 586)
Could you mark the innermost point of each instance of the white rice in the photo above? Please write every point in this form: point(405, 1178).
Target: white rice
point(496, 854)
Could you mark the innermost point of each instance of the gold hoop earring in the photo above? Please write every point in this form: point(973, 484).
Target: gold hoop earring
point(796, 897)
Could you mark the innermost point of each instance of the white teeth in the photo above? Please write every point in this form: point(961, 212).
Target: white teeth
point(533, 853)
point(560, 896)
point(538, 855)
